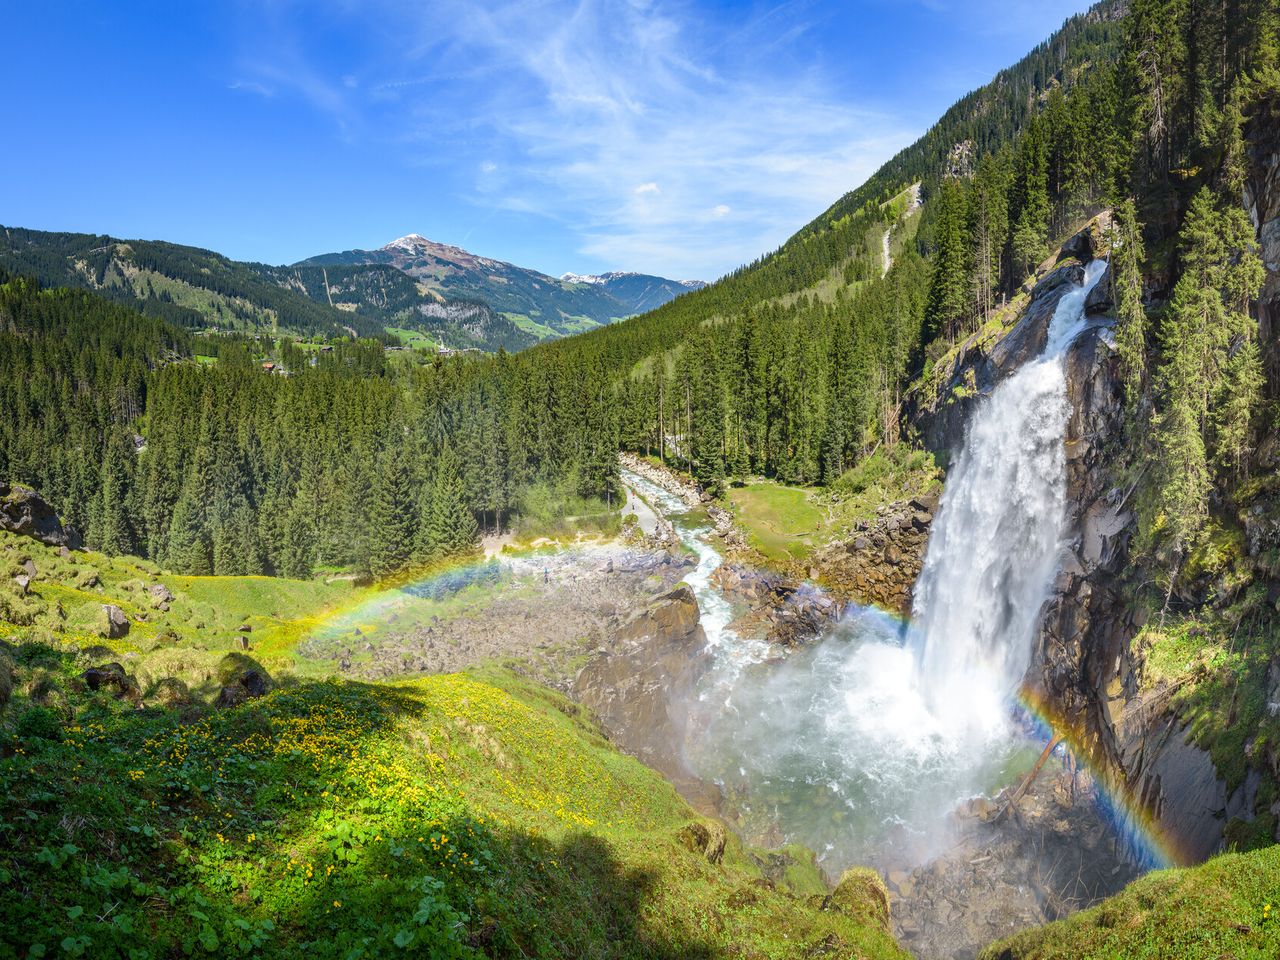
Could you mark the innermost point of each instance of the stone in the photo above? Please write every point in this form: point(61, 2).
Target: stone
point(23, 582)
point(242, 679)
point(29, 566)
point(24, 512)
point(244, 628)
point(242, 642)
point(112, 678)
point(115, 623)
point(861, 894)
point(160, 594)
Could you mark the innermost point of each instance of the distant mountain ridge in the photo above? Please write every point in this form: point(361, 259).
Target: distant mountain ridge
point(540, 305)
point(642, 292)
point(411, 286)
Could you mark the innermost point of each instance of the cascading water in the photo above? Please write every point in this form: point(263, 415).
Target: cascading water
point(996, 544)
point(859, 745)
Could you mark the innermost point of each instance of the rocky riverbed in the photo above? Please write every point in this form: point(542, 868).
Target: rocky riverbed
point(544, 613)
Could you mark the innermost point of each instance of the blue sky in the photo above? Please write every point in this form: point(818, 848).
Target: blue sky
point(678, 138)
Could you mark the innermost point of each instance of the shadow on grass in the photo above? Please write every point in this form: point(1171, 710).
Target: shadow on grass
point(260, 830)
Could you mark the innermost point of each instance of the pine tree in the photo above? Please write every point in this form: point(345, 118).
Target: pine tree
point(392, 522)
point(1127, 258)
point(449, 525)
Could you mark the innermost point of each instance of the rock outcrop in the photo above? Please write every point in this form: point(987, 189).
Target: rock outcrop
point(780, 610)
point(880, 561)
point(24, 512)
point(1262, 200)
point(638, 681)
point(242, 679)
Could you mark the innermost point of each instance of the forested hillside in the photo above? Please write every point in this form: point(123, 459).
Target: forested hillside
point(224, 468)
point(184, 285)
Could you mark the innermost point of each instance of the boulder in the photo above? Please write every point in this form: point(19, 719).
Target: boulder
point(160, 594)
point(861, 894)
point(242, 679)
point(24, 512)
point(23, 582)
point(112, 678)
point(115, 624)
point(706, 839)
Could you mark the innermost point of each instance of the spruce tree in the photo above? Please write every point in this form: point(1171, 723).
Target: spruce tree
point(392, 516)
point(1127, 258)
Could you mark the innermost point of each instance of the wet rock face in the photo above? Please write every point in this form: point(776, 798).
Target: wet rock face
point(636, 682)
point(24, 512)
point(1083, 664)
point(780, 610)
point(979, 367)
point(879, 562)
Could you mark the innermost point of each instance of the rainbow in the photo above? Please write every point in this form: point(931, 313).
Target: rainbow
point(374, 607)
point(1148, 845)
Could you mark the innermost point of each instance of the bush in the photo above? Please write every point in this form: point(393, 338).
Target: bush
point(38, 723)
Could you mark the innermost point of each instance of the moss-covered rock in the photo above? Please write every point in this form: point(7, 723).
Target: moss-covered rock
point(861, 894)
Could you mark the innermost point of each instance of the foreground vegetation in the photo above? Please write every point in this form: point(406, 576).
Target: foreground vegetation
point(453, 816)
point(1226, 908)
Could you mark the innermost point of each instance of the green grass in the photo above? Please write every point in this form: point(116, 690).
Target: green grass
point(1224, 908)
point(456, 816)
point(786, 524)
point(415, 339)
point(66, 599)
point(782, 523)
point(529, 325)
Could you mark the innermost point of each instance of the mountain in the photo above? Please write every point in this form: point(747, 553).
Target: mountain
point(641, 292)
point(540, 305)
point(389, 298)
point(200, 289)
point(188, 286)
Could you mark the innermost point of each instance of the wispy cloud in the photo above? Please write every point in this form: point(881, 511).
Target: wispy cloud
point(617, 119)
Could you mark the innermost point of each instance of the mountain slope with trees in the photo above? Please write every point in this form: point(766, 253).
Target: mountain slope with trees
point(541, 306)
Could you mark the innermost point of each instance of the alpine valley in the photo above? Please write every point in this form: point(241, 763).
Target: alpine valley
point(910, 591)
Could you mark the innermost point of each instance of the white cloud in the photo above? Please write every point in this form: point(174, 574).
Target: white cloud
point(618, 120)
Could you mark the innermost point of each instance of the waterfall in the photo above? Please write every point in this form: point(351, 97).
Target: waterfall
point(861, 744)
point(996, 544)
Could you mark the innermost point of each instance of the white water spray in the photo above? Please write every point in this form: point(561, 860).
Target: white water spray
point(998, 540)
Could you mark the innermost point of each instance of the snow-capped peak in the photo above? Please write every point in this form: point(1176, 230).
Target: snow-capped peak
point(412, 241)
point(584, 278)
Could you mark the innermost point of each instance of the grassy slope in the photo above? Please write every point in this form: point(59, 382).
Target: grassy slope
point(1224, 908)
point(786, 524)
point(461, 815)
